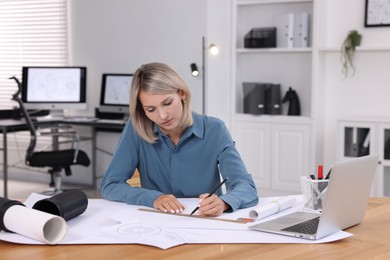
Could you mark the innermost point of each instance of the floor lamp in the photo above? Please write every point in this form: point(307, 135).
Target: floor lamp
point(213, 49)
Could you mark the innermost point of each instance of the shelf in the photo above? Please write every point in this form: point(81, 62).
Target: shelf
point(358, 49)
point(386, 163)
point(265, 2)
point(274, 118)
point(272, 50)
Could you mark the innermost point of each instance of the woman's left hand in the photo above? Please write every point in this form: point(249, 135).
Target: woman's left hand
point(212, 206)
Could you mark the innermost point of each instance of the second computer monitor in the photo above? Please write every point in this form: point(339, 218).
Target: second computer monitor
point(115, 93)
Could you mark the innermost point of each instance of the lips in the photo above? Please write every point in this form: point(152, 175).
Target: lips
point(168, 122)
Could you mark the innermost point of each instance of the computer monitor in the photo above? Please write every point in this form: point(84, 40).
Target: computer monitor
point(115, 93)
point(54, 88)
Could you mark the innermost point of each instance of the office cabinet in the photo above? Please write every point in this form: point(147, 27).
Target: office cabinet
point(275, 153)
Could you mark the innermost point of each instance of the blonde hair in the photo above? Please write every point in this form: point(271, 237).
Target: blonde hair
point(156, 78)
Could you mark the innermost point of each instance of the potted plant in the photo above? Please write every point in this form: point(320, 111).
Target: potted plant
point(348, 48)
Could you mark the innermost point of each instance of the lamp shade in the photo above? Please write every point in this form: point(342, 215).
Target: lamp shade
point(194, 70)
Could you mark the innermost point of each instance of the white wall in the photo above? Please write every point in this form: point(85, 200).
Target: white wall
point(119, 36)
point(219, 29)
point(367, 93)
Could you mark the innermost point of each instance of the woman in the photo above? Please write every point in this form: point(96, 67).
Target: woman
point(178, 153)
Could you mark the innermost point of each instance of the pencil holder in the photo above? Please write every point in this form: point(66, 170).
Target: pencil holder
point(314, 192)
point(68, 204)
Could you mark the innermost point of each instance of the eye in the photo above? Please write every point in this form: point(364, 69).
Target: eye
point(168, 102)
point(149, 110)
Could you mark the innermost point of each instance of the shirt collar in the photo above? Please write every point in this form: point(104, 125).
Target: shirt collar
point(197, 128)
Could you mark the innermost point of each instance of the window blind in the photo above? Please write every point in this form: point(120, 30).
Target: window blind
point(32, 33)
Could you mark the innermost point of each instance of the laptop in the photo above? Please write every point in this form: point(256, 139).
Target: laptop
point(346, 200)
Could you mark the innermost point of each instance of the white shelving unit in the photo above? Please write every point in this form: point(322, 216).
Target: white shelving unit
point(277, 149)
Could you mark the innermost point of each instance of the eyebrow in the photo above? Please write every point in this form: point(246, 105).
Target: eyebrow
point(165, 100)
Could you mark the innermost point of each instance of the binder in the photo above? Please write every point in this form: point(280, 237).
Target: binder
point(273, 99)
point(254, 98)
point(354, 144)
point(301, 30)
point(285, 30)
point(365, 148)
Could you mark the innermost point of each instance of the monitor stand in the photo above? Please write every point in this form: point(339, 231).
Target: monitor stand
point(57, 113)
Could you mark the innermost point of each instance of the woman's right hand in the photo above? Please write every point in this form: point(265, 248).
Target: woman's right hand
point(168, 203)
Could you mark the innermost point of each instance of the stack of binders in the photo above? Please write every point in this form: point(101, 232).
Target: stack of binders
point(262, 98)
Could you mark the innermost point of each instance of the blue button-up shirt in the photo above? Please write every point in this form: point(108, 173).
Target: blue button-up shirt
point(192, 167)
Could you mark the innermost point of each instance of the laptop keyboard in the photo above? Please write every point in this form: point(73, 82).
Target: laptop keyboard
point(307, 227)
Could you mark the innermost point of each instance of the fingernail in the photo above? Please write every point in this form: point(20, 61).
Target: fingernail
point(172, 211)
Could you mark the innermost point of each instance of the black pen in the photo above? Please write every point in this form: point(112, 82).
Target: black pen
point(328, 175)
point(211, 193)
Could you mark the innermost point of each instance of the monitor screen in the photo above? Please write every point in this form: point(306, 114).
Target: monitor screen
point(115, 93)
point(54, 88)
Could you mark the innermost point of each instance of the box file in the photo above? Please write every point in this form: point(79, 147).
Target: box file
point(285, 30)
point(301, 30)
point(254, 98)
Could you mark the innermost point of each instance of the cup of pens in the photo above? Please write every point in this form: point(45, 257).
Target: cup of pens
point(314, 192)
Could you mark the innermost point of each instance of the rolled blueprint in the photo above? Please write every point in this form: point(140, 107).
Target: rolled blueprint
point(272, 207)
point(35, 224)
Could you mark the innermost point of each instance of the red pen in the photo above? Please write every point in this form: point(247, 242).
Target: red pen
point(320, 173)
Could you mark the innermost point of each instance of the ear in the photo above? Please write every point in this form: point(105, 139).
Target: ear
point(182, 94)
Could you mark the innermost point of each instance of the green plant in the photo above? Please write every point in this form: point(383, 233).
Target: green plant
point(348, 49)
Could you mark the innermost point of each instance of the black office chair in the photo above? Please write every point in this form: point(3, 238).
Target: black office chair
point(55, 160)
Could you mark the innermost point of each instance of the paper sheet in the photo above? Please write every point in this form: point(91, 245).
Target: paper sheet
point(98, 225)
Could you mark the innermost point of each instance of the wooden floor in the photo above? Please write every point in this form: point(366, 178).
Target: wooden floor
point(22, 189)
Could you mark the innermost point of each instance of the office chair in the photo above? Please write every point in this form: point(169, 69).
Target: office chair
point(55, 160)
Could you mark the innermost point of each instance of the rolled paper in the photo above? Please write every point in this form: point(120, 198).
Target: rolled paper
point(35, 224)
point(272, 207)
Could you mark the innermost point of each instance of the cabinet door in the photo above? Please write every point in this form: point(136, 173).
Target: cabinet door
point(359, 138)
point(290, 156)
point(356, 139)
point(382, 177)
point(254, 144)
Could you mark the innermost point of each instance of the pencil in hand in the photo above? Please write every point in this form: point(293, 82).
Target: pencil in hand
point(211, 193)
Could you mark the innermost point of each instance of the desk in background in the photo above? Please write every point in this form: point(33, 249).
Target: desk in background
point(370, 241)
point(10, 125)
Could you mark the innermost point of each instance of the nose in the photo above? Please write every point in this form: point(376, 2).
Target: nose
point(163, 114)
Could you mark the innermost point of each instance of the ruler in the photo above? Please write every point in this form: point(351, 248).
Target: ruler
point(240, 221)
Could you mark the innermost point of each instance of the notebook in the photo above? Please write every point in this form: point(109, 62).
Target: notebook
point(346, 200)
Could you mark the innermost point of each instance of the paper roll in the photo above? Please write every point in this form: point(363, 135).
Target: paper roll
point(272, 207)
point(35, 224)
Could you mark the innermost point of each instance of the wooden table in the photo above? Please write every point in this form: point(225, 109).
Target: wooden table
point(371, 240)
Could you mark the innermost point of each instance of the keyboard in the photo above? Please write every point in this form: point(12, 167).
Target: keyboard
point(81, 119)
point(307, 227)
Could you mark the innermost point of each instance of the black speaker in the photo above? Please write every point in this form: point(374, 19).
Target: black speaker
point(273, 99)
point(254, 98)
